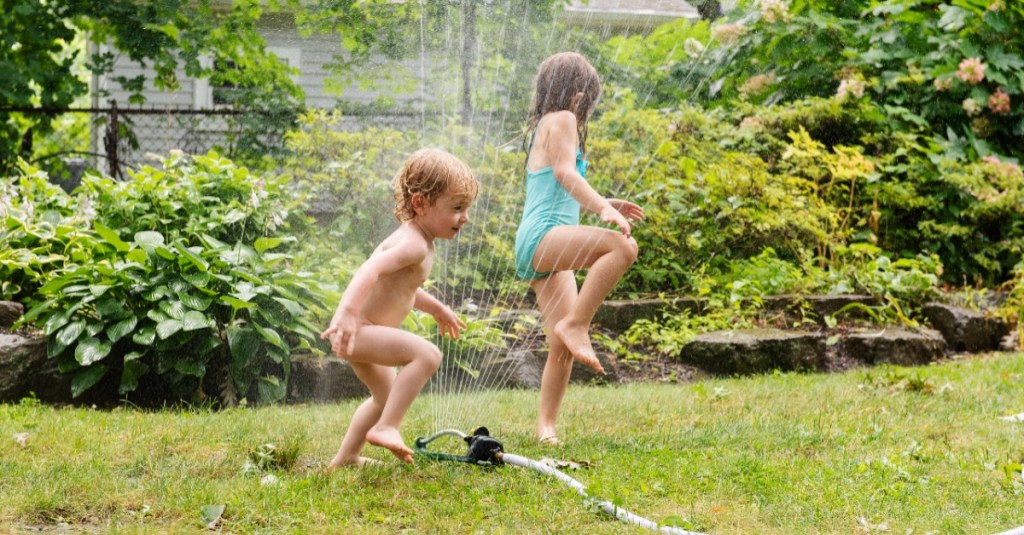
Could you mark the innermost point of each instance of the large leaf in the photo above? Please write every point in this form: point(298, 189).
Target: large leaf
point(270, 335)
point(195, 302)
point(70, 333)
point(149, 240)
point(243, 342)
point(167, 328)
point(192, 257)
point(133, 370)
point(271, 389)
point(86, 378)
point(91, 350)
point(145, 336)
point(195, 320)
point(122, 328)
point(110, 236)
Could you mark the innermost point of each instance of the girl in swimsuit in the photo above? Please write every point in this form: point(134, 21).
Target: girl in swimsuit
point(550, 242)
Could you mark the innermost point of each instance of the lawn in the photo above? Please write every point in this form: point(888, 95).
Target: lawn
point(902, 450)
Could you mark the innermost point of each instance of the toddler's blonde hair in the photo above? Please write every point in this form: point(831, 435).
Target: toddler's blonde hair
point(431, 173)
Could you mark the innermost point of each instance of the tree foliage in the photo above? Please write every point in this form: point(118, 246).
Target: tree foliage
point(40, 48)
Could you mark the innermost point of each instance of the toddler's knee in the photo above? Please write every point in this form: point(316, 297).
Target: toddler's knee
point(432, 358)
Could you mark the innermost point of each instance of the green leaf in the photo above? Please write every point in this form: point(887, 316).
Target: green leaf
point(165, 329)
point(195, 320)
point(236, 303)
point(190, 367)
point(110, 236)
point(270, 389)
point(145, 336)
point(195, 302)
point(265, 244)
point(133, 370)
point(243, 342)
point(270, 335)
point(70, 333)
point(198, 279)
point(91, 350)
point(138, 256)
point(86, 378)
point(122, 328)
point(192, 257)
point(149, 240)
point(173, 309)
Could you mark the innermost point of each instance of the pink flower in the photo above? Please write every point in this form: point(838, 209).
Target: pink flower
point(943, 84)
point(972, 71)
point(999, 102)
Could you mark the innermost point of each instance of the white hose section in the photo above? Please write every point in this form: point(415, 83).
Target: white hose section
point(606, 506)
point(1014, 531)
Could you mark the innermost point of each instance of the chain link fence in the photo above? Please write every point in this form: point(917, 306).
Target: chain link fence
point(112, 140)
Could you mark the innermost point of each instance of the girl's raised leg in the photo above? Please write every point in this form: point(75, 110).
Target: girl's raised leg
point(606, 254)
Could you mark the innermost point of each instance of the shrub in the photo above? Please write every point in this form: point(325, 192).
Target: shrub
point(186, 293)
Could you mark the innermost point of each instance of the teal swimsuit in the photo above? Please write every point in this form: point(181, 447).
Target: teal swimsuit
point(548, 205)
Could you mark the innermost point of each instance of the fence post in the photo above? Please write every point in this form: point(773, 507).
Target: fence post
point(110, 142)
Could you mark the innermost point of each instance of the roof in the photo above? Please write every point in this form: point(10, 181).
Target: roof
point(638, 14)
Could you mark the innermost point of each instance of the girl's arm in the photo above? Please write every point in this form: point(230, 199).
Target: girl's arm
point(447, 321)
point(561, 143)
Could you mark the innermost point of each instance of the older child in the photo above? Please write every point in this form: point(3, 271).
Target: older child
point(550, 242)
point(434, 191)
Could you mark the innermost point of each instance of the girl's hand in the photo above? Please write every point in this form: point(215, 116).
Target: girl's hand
point(628, 209)
point(612, 216)
point(448, 322)
point(342, 334)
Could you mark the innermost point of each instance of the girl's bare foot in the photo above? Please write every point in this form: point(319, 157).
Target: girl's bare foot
point(577, 340)
point(389, 438)
point(358, 462)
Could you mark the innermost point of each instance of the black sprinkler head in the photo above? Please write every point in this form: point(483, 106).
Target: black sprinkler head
point(483, 447)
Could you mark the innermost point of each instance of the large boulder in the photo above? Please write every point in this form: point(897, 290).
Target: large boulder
point(26, 371)
point(894, 345)
point(755, 351)
point(10, 312)
point(965, 329)
point(619, 316)
point(323, 380)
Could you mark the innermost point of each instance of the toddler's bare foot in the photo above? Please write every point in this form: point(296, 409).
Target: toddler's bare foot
point(357, 462)
point(391, 439)
point(577, 340)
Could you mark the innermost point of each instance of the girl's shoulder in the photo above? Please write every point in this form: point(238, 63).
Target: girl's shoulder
point(561, 118)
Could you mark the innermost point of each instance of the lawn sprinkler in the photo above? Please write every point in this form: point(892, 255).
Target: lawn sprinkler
point(485, 450)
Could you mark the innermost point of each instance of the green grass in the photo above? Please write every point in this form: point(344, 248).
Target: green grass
point(910, 450)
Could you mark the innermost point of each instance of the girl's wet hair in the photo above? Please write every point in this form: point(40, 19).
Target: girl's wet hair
point(565, 81)
point(431, 173)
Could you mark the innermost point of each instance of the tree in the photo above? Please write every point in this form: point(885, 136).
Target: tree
point(38, 55)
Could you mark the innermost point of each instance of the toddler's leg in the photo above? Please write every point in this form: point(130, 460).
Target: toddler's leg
point(419, 360)
point(379, 380)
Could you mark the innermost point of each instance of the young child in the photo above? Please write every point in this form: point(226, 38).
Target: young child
point(433, 192)
point(550, 242)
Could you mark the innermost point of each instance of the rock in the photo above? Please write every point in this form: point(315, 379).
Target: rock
point(621, 315)
point(323, 380)
point(10, 312)
point(964, 329)
point(25, 371)
point(755, 351)
point(894, 345)
point(820, 305)
point(514, 369)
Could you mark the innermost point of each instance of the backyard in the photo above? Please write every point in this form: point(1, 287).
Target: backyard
point(186, 190)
